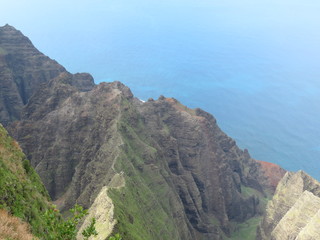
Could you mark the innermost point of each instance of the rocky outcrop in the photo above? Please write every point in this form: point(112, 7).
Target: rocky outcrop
point(23, 69)
point(185, 178)
point(293, 213)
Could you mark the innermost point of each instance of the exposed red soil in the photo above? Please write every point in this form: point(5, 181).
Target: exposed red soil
point(273, 172)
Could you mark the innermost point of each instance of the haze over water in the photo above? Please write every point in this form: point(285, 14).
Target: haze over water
point(253, 64)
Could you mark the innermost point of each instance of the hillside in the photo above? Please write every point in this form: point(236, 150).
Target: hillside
point(22, 193)
point(149, 170)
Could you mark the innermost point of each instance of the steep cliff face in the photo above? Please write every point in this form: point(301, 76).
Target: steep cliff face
point(176, 161)
point(170, 171)
point(23, 69)
point(294, 210)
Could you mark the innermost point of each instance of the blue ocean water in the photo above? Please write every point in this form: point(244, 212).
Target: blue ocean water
point(253, 64)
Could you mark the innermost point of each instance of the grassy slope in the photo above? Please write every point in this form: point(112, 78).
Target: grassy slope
point(248, 229)
point(21, 192)
point(142, 207)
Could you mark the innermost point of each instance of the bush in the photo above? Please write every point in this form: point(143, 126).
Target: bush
point(59, 229)
point(115, 237)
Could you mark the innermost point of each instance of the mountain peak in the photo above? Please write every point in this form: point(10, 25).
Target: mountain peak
point(13, 41)
point(7, 26)
point(24, 69)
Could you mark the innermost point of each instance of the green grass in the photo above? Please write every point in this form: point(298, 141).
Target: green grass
point(142, 207)
point(248, 192)
point(21, 191)
point(246, 230)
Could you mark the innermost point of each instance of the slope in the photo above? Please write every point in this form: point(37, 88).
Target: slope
point(21, 192)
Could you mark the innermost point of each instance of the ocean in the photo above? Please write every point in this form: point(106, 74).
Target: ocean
point(253, 64)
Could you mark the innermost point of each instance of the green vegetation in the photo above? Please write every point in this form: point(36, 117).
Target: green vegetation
point(22, 193)
point(60, 229)
point(246, 230)
point(90, 230)
point(263, 200)
point(142, 207)
point(115, 237)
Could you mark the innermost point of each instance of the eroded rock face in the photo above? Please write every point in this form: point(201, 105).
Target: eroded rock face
point(293, 213)
point(206, 167)
point(23, 69)
point(74, 139)
point(71, 137)
point(185, 178)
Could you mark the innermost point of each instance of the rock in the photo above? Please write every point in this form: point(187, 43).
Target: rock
point(23, 69)
point(297, 217)
point(102, 210)
point(311, 230)
point(293, 211)
point(185, 178)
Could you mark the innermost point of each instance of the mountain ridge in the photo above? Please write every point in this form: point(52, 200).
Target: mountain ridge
point(180, 169)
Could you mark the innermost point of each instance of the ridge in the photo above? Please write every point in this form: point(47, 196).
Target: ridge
point(185, 178)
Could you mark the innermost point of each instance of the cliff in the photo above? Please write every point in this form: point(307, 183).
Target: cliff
point(176, 162)
point(294, 211)
point(157, 170)
point(23, 69)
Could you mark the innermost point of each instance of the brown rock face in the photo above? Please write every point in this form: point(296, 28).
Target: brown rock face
point(185, 178)
point(293, 213)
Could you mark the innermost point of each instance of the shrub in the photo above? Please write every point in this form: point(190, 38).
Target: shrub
point(60, 229)
point(115, 237)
